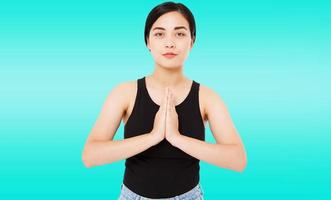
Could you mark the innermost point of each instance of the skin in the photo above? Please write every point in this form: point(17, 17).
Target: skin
point(166, 86)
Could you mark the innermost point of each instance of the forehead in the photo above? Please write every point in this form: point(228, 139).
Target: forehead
point(171, 20)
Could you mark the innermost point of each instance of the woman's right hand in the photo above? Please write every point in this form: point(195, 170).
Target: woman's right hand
point(159, 126)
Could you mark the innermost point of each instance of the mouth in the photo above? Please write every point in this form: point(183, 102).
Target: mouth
point(169, 55)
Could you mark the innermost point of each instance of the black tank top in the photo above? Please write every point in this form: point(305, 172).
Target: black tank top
point(163, 170)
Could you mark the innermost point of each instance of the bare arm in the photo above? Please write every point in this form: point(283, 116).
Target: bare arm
point(229, 151)
point(100, 148)
point(228, 156)
point(103, 152)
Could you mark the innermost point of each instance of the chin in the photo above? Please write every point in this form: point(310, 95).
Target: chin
point(170, 65)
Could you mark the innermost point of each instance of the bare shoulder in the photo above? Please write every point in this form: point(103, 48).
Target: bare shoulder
point(129, 90)
point(125, 91)
point(112, 111)
point(219, 118)
point(206, 91)
point(210, 98)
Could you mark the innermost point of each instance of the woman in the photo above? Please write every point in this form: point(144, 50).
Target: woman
point(164, 116)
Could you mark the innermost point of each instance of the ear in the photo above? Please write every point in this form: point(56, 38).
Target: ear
point(148, 46)
point(147, 41)
point(192, 42)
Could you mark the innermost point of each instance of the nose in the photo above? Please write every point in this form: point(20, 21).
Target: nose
point(169, 43)
point(170, 46)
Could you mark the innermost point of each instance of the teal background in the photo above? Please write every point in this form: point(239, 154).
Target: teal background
point(269, 60)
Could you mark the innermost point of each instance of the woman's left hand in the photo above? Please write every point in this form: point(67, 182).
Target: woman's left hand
point(172, 123)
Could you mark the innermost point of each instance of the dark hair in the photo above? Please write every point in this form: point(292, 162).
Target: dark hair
point(166, 7)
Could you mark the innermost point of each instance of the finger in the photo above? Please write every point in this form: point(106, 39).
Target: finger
point(165, 97)
point(166, 103)
point(169, 101)
point(173, 102)
point(162, 102)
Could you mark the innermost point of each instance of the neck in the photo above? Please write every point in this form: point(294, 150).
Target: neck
point(168, 77)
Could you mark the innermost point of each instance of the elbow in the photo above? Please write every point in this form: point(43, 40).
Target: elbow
point(240, 168)
point(238, 165)
point(86, 159)
point(242, 164)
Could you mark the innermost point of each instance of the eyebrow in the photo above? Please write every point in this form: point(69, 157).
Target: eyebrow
point(176, 28)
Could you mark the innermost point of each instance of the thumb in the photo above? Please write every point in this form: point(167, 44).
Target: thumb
point(164, 100)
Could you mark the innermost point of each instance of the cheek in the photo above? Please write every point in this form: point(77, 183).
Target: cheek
point(155, 47)
point(186, 44)
point(184, 48)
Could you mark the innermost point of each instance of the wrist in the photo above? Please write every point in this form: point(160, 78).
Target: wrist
point(173, 140)
point(153, 138)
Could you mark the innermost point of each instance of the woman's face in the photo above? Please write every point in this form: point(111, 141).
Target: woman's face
point(170, 33)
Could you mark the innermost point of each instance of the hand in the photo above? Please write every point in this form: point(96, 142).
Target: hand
point(172, 131)
point(159, 127)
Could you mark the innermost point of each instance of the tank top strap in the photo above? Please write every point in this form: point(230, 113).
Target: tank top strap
point(139, 92)
point(143, 89)
point(140, 84)
point(144, 93)
point(195, 92)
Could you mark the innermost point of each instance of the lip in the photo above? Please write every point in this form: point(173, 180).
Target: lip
point(169, 55)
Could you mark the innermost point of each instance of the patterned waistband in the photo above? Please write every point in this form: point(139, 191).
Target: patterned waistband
point(194, 193)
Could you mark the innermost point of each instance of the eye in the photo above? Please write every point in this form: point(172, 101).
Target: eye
point(181, 34)
point(157, 34)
